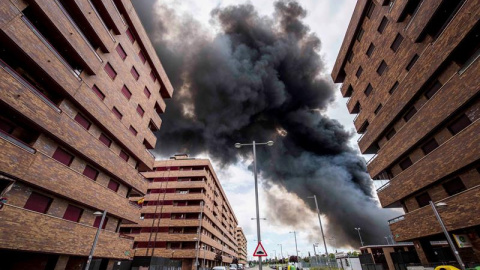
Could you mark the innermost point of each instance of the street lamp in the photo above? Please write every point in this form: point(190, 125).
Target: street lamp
point(361, 241)
point(275, 256)
point(320, 221)
point(281, 250)
point(253, 144)
point(296, 248)
point(90, 256)
point(204, 250)
point(452, 246)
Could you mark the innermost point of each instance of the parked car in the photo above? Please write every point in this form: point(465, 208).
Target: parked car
point(219, 268)
point(233, 266)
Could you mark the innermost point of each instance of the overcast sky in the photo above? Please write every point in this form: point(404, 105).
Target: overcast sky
point(329, 20)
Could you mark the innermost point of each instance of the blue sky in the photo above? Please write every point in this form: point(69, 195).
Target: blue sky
point(329, 20)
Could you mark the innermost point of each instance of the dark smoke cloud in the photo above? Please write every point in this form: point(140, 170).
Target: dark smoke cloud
point(259, 78)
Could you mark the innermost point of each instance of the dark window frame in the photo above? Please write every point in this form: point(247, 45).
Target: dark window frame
point(383, 24)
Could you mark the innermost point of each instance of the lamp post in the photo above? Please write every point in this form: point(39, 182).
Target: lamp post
point(296, 248)
point(386, 238)
point(90, 256)
point(361, 241)
point(281, 251)
point(253, 144)
point(320, 221)
point(199, 232)
point(275, 256)
point(444, 229)
point(204, 250)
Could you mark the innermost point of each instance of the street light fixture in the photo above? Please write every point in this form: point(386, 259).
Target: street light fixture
point(254, 144)
point(361, 241)
point(320, 221)
point(444, 229)
point(296, 248)
point(90, 256)
point(281, 250)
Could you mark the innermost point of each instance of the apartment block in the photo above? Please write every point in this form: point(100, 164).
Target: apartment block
point(410, 71)
point(81, 91)
point(185, 215)
point(242, 246)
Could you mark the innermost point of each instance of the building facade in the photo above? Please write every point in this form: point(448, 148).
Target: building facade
point(81, 90)
point(185, 215)
point(411, 72)
point(241, 246)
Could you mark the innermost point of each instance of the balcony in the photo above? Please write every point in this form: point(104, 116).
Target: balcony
point(31, 106)
point(455, 93)
point(40, 170)
point(461, 212)
point(31, 231)
point(446, 159)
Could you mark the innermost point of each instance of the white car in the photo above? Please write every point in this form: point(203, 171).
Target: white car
point(219, 268)
point(233, 267)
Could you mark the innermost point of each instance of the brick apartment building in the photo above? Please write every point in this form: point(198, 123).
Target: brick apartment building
point(185, 197)
point(411, 72)
point(241, 245)
point(81, 90)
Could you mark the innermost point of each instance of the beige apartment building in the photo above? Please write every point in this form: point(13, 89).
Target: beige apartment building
point(242, 246)
point(185, 214)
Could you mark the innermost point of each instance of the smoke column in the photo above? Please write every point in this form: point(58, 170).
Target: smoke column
point(259, 78)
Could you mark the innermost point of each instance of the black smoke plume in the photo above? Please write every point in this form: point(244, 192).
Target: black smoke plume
point(260, 78)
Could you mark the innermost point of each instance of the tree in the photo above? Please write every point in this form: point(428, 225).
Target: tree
point(293, 259)
point(218, 257)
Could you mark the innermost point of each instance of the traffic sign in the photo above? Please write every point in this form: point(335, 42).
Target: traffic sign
point(260, 251)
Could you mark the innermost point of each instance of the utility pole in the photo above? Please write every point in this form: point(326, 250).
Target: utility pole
point(361, 241)
point(320, 221)
point(296, 248)
point(253, 144)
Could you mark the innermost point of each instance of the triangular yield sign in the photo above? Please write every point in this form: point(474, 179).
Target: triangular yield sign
point(260, 251)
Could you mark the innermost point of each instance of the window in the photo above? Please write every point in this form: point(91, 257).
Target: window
point(133, 130)
point(97, 221)
point(126, 92)
point(382, 25)
point(117, 113)
point(63, 156)
point(423, 199)
point(368, 90)
point(454, 186)
point(359, 72)
point(110, 71)
point(394, 87)
point(147, 92)
point(105, 140)
point(152, 76)
point(140, 110)
point(142, 56)
point(73, 213)
point(38, 203)
point(370, 49)
point(433, 89)
point(459, 124)
point(379, 107)
point(390, 134)
point(412, 62)
point(360, 34)
point(98, 92)
point(429, 146)
point(396, 43)
point(381, 68)
point(121, 52)
point(90, 172)
point(370, 9)
point(410, 113)
point(113, 185)
point(350, 56)
point(82, 121)
point(134, 73)
point(130, 35)
point(404, 164)
point(124, 155)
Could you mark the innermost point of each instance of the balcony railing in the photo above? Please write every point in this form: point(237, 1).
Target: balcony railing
point(384, 186)
point(395, 220)
point(65, 12)
point(50, 47)
point(17, 142)
point(372, 158)
point(25, 83)
point(101, 20)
